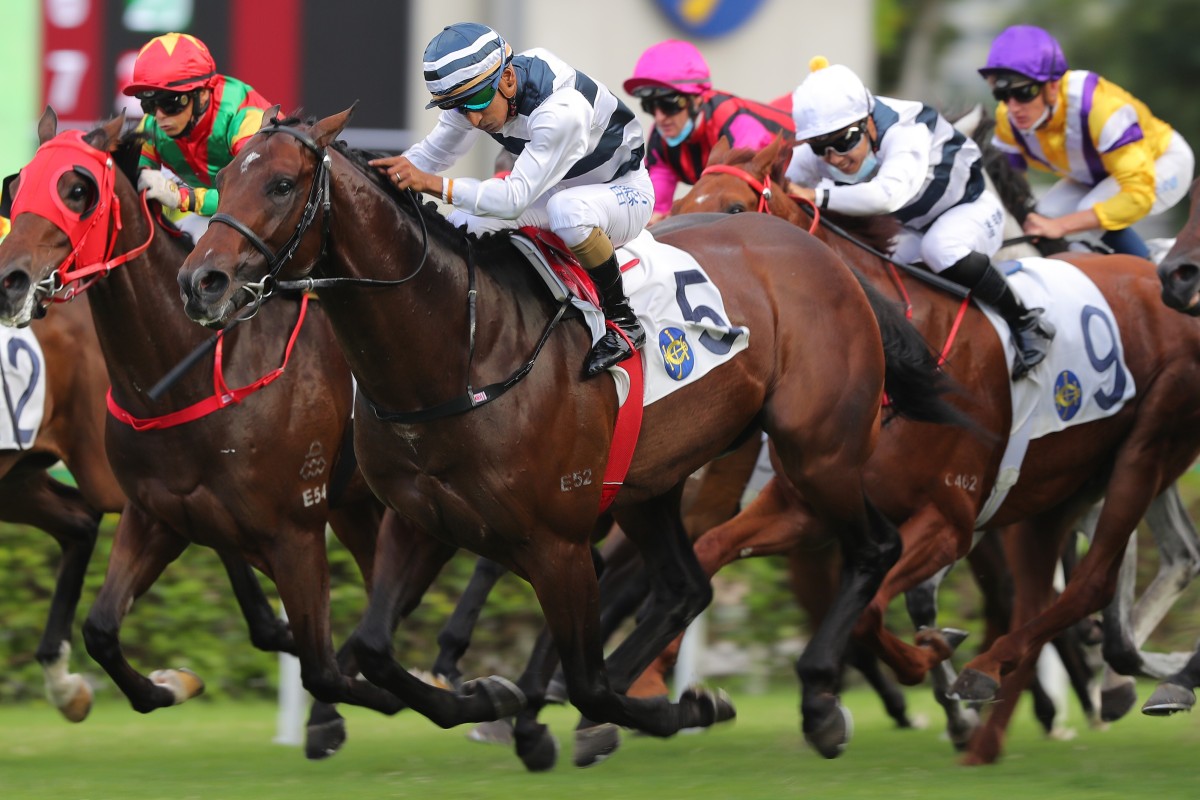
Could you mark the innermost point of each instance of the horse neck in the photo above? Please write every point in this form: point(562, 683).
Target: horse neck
point(381, 329)
point(141, 327)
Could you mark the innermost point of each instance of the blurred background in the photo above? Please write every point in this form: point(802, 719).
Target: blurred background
point(320, 56)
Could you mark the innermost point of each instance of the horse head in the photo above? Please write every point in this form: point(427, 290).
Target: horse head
point(271, 193)
point(1179, 270)
point(73, 196)
point(735, 179)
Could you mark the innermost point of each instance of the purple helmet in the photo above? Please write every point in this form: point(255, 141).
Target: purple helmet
point(1027, 50)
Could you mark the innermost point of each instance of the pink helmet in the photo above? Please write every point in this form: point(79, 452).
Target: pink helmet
point(670, 66)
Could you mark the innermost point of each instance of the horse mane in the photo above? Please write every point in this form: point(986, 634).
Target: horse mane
point(876, 231)
point(129, 150)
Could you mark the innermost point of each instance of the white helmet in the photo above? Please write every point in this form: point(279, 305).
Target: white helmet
point(828, 100)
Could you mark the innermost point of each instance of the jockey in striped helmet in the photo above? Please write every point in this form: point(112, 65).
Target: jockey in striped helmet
point(578, 169)
point(867, 155)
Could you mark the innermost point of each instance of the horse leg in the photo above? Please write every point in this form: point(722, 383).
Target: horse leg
point(1032, 552)
point(1092, 584)
point(141, 550)
point(60, 511)
point(1175, 693)
point(397, 574)
point(455, 636)
point(267, 631)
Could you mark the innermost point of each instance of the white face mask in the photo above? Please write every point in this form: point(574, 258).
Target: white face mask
point(1037, 123)
point(866, 170)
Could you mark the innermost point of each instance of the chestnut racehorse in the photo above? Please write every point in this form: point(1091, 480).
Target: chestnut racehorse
point(1129, 458)
point(424, 313)
point(258, 479)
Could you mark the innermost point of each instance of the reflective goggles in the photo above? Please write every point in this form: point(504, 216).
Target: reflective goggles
point(1023, 94)
point(476, 102)
point(669, 104)
point(841, 142)
point(171, 103)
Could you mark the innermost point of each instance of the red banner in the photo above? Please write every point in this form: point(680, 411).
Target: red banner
point(73, 58)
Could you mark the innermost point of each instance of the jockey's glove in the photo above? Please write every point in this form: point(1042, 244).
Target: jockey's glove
point(161, 188)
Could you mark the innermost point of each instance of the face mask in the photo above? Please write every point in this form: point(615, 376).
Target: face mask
point(866, 170)
point(1037, 123)
point(675, 141)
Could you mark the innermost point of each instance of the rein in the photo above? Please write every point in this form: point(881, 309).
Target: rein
point(319, 196)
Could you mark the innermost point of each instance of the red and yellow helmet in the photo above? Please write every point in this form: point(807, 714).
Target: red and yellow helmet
point(173, 62)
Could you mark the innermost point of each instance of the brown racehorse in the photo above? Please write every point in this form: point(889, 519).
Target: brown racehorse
point(1130, 457)
point(257, 480)
point(514, 476)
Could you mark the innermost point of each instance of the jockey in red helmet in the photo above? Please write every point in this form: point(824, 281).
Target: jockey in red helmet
point(672, 80)
point(196, 121)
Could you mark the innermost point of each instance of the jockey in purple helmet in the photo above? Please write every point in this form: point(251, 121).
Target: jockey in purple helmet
point(1116, 160)
point(578, 168)
point(672, 80)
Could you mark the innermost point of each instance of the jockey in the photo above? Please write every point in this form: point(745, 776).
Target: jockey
point(196, 122)
point(672, 80)
point(578, 168)
point(865, 155)
point(1117, 161)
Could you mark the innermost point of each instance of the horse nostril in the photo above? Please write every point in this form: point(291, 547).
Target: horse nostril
point(210, 283)
point(16, 282)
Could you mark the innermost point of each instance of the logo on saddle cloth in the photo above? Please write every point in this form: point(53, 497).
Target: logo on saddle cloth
point(1068, 394)
point(678, 359)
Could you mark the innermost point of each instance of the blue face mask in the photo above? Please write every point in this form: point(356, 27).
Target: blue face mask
point(675, 141)
point(866, 170)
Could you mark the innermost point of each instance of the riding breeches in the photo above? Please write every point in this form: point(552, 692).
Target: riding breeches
point(620, 208)
point(975, 227)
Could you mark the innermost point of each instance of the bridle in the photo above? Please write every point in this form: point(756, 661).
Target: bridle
point(764, 191)
point(319, 199)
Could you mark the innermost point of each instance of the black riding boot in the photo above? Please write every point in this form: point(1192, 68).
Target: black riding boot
point(1031, 334)
point(612, 348)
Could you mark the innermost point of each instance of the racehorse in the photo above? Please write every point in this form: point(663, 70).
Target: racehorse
point(941, 494)
point(510, 472)
point(257, 479)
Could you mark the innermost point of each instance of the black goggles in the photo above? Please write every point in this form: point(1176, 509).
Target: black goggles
point(841, 142)
point(669, 104)
point(171, 103)
point(1022, 94)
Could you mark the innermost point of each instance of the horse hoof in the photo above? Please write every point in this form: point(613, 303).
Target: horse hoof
point(954, 637)
point(556, 692)
point(504, 695)
point(79, 703)
point(1168, 699)
point(1116, 701)
point(972, 686)
point(182, 683)
point(323, 740)
point(595, 744)
point(498, 731)
point(960, 729)
point(541, 753)
point(833, 733)
point(713, 706)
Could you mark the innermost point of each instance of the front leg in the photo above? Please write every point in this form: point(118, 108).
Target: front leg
point(142, 548)
point(267, 631)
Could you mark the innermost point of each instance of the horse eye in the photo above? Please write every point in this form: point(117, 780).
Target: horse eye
point(736, 208)
point(284, 187)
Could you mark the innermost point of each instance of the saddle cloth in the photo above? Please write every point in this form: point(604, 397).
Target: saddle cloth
point(687, 335)
point(1083, 377)
point(23, 379)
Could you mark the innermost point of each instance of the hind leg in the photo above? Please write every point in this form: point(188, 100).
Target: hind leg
point(61, 511)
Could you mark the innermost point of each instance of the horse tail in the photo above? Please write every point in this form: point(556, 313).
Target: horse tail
point(915, 384)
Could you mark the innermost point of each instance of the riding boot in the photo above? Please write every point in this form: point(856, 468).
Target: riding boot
point(612, 347)
point(1031, 334)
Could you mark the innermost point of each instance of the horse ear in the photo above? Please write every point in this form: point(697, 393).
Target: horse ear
point(108, 135)
point(328, 129)
point(47, 125)
point(720, 151)
point(766, 157)
point(269, 116)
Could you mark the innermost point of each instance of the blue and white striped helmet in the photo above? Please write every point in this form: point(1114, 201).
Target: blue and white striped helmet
point(461, 60)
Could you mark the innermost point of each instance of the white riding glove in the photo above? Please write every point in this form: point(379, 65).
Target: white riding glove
point(161, 188)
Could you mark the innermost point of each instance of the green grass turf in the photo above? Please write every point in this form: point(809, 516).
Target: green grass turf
point(224, 750)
